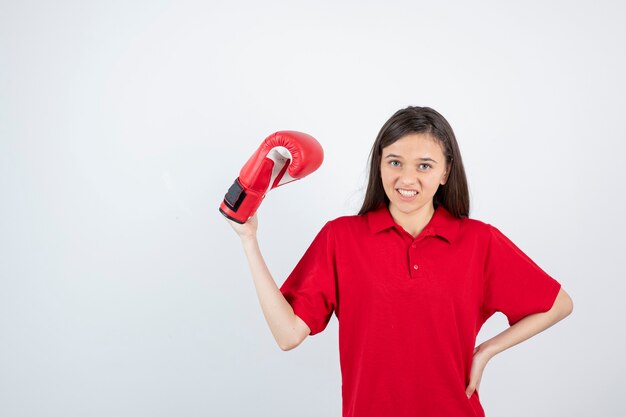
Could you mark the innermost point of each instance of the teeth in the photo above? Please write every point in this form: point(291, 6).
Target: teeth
point(407, 193)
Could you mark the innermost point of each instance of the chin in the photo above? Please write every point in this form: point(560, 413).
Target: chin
point(409, 206)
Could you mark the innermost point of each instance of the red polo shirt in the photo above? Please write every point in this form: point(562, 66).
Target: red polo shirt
point(409, 309)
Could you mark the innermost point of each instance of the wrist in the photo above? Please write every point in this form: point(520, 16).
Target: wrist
point(489, 348)
point(248, 239)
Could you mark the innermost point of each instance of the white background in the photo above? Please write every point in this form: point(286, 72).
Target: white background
point(124, 292)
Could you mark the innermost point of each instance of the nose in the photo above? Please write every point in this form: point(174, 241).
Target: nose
point(408, 179)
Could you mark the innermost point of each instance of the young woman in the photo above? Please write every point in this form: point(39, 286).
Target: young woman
point(411, 279)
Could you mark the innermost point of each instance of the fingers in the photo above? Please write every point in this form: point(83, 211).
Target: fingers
point(476, 373)
point(473, 386)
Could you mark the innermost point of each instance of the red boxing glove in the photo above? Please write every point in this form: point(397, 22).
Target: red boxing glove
point(283, 157)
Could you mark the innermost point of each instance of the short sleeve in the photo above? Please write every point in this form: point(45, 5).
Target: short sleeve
point(514, 284)
point(310, 289)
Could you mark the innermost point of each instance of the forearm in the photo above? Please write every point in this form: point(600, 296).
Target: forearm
point(277, 311)
point(529, 326)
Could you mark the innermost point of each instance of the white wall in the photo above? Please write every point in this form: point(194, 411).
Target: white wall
point(124, 292)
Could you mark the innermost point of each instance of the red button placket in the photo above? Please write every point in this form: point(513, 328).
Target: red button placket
point(414, 261)
point(416, 269)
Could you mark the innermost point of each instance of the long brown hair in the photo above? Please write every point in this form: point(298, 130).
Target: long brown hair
point(454, 194)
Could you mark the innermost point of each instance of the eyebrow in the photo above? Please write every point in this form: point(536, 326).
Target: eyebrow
point(393, 155)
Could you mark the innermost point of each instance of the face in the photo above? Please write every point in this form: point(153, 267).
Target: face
point(415, 164)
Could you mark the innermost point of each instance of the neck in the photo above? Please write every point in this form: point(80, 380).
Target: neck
point(414, 221)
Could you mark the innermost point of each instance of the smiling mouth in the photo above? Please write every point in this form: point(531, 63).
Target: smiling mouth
point(406, 193)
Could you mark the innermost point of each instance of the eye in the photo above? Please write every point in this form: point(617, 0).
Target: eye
point(425, 165)
point(392, 161)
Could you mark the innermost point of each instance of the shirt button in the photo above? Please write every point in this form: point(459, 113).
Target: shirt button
point(413, 245)
point(415, 266)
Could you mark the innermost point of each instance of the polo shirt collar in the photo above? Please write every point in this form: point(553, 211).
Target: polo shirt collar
point(441, 224)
